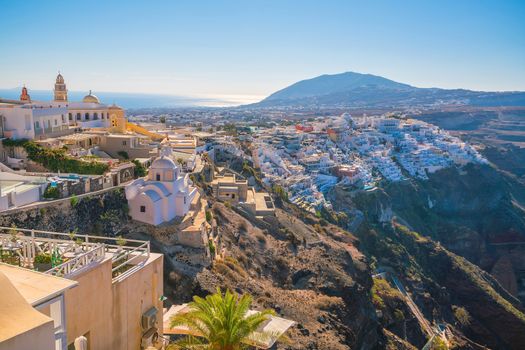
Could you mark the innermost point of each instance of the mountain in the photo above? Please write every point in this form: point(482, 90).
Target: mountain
point(366, 90)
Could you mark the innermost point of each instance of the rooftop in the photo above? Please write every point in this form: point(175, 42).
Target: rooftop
point(67, 254)
point(35, 287)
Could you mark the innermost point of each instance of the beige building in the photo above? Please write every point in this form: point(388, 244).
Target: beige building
point(107, 294)
point(134, 146)
point(229, 188)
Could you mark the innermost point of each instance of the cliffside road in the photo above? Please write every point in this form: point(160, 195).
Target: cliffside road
point(413, 307)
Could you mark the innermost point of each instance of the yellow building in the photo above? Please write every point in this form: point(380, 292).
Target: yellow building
point(117, 119)
point(108, 294)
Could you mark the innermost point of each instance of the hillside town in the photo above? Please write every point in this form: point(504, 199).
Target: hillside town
point(356, 152)
point(170, 170)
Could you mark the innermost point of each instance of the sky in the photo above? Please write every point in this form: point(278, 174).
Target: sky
point(245, 50)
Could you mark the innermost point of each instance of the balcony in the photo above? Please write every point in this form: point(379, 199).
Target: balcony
point(66, 254)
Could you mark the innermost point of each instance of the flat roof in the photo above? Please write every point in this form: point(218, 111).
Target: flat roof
point(36, 287)
point(17, 316)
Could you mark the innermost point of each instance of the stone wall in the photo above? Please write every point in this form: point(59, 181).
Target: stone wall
point(100, 214)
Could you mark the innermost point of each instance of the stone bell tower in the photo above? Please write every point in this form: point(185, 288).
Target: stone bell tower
point(60, 89)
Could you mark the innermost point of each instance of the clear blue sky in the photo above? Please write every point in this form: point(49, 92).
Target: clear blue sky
point(251, 47)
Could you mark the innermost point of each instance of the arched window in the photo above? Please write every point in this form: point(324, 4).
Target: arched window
point(95, 116)
point(86, 116)
point(79, 116)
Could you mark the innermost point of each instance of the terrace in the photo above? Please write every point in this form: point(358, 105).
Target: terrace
point(67, 254)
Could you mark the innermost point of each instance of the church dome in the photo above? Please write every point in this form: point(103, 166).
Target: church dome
point(90, 98)
point(163, 163)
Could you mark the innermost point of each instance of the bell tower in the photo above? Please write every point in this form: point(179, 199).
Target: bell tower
point(24, 96)
point(60, 89)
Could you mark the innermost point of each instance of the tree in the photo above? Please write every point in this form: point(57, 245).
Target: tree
point(123, 154)
point(220, 322)
point(162, 119)
point(140, 169)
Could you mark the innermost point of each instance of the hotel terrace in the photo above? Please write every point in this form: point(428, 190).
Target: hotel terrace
point(104, 293)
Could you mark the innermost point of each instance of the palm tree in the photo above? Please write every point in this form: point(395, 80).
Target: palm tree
point(221, 322)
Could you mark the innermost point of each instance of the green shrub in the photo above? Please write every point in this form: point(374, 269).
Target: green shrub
point(74, 200)
point(43, 258)
point(438, 344)
point(209, 216)
point(211, 245)
point(140, 170)
point(280, 192)
point(123, 154)
point(57, 159)
point(51, 192)
point(462, 315)
point(399, 315)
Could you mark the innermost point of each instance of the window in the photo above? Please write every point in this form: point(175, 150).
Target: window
point(95, 116)
point(70, 116)
point(233, 195)
point(158, 177)
point(37, 125)
point(124, 143)
point(142, 208)
point(86, 116)
point(79, 116)
point(184, 199)
point(56, 122)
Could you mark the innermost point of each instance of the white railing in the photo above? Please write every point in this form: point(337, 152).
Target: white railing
point(134, 258)
point(86, 250)
point(79, 262)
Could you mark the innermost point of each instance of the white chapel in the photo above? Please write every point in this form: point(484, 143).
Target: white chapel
point(164, 194)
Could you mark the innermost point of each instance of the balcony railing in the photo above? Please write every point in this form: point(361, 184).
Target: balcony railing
point(72, 252)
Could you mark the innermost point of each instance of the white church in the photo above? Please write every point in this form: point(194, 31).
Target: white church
point(164, 194)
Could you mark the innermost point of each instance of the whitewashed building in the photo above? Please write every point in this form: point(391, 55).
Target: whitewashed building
point(164, 194)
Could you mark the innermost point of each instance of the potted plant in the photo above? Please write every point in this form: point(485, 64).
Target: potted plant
point(14, 234)
point(43, 262)
point(78, 242)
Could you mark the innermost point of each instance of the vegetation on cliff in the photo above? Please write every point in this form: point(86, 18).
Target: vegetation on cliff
point(57, 159)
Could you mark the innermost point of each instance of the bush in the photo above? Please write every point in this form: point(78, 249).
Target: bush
point(382, 290)
point(211, 245)
point(399, 315)
point(51, 192)
point(43, 258)
point(74, 201)
point(140, 170)
point(462, 315)
point(280, 192)
point(438, 344)
point(123, 154)
point(209, 216)
point(57, 159)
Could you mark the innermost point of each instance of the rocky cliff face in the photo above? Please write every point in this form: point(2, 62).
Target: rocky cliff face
point(319, 281)
point(468, 212)
point(102, 214)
